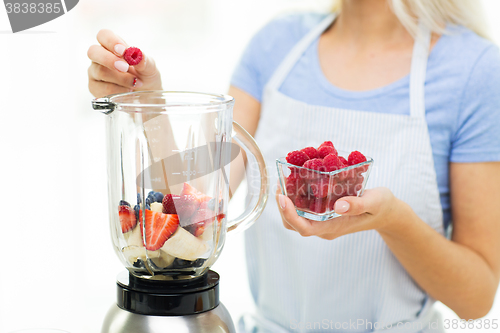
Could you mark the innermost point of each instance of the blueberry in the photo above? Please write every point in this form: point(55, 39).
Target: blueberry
point(158, 197)
point(151, 198)
point(124, 203)
point(137, 209)
point(139, 200)
point(148, 201)
point(147, 206)
point(151, 193)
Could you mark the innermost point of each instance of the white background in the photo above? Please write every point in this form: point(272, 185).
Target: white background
point(58, 266)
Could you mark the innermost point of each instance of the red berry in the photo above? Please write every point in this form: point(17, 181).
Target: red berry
point(332, 162)
point(159, 228)
point(326, 150)
point(319, 187)
point(311, 152)
point(168, 203)
point(132, 56)
point(201, 218)
point(127, 218)
point(318, 205)
point(190, 190)
point(301, 202)
point(295, 185)
point(326, 143)
point(185, 206)
point(344, 161)
point(355, 158)
point(314, 164)
point(297, 158)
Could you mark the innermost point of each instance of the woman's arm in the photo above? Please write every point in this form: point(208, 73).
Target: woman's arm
point(246, 113)
point(463, 273)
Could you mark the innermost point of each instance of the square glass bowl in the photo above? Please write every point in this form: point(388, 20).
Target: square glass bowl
point(314, 193)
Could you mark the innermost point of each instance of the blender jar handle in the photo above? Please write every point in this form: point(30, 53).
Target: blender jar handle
point(242, 137)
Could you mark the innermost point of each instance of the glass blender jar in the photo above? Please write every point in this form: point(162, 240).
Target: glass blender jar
point(169, 156)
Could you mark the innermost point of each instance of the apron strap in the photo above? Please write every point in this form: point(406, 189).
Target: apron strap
point(419, 71)
point(287, 64)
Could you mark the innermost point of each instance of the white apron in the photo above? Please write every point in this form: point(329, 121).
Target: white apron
point(314, 285)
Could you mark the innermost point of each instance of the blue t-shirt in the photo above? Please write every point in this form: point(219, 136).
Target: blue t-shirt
point(462, 90)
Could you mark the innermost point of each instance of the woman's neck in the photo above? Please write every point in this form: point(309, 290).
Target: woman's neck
point(368, 21)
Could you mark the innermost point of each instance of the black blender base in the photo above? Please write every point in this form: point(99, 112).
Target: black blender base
point(146, 306)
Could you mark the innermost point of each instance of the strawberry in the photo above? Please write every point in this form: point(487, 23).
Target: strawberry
point(199, 220)
point(185, 206)
point(168, 203)
point(189, 190)
point(159, 228)
point(127, 218)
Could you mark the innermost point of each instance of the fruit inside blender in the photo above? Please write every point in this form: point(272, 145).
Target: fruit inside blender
point(178, 231)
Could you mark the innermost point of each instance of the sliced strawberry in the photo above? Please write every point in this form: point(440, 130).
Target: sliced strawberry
point(168, 204)
point(189, 190)
point(159, 228)
point(127, 218)
point(201, 218)
point(185, 206)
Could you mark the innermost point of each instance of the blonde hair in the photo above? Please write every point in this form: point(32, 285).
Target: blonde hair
point(435, 14)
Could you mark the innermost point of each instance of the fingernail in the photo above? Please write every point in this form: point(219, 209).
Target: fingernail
point(341, 207)
point(122, 66)
point(119, 49)
point(137, 83)
point(281, 199)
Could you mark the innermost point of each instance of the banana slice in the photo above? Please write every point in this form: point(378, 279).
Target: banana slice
point(157, 207)
point(164, 260)
point(134, 253)
point(134, 236)
point(182, 244)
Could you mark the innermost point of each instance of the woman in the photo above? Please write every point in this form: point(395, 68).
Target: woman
point(433, 135)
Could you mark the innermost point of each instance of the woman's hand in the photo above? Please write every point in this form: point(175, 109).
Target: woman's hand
point(377, 209)
point(110, 74)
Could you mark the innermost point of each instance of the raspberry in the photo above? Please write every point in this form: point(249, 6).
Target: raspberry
point(297, 158)
point(132, 56)
point(319, 187)
point(344, 161)
point(318, 205)
point(301, 202)
point(311, 152)
point(326, 150)
point(295, 185)
point(326, 143)
point(332, 162)
point(355, 158)
point(314, 164)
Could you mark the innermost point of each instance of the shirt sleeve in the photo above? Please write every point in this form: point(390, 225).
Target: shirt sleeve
point(477, 138)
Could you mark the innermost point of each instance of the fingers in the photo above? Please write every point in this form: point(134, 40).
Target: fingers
point(370, 203)
point(111, 42)
point(100, 89)
point(103, 57)
point(100, 73)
